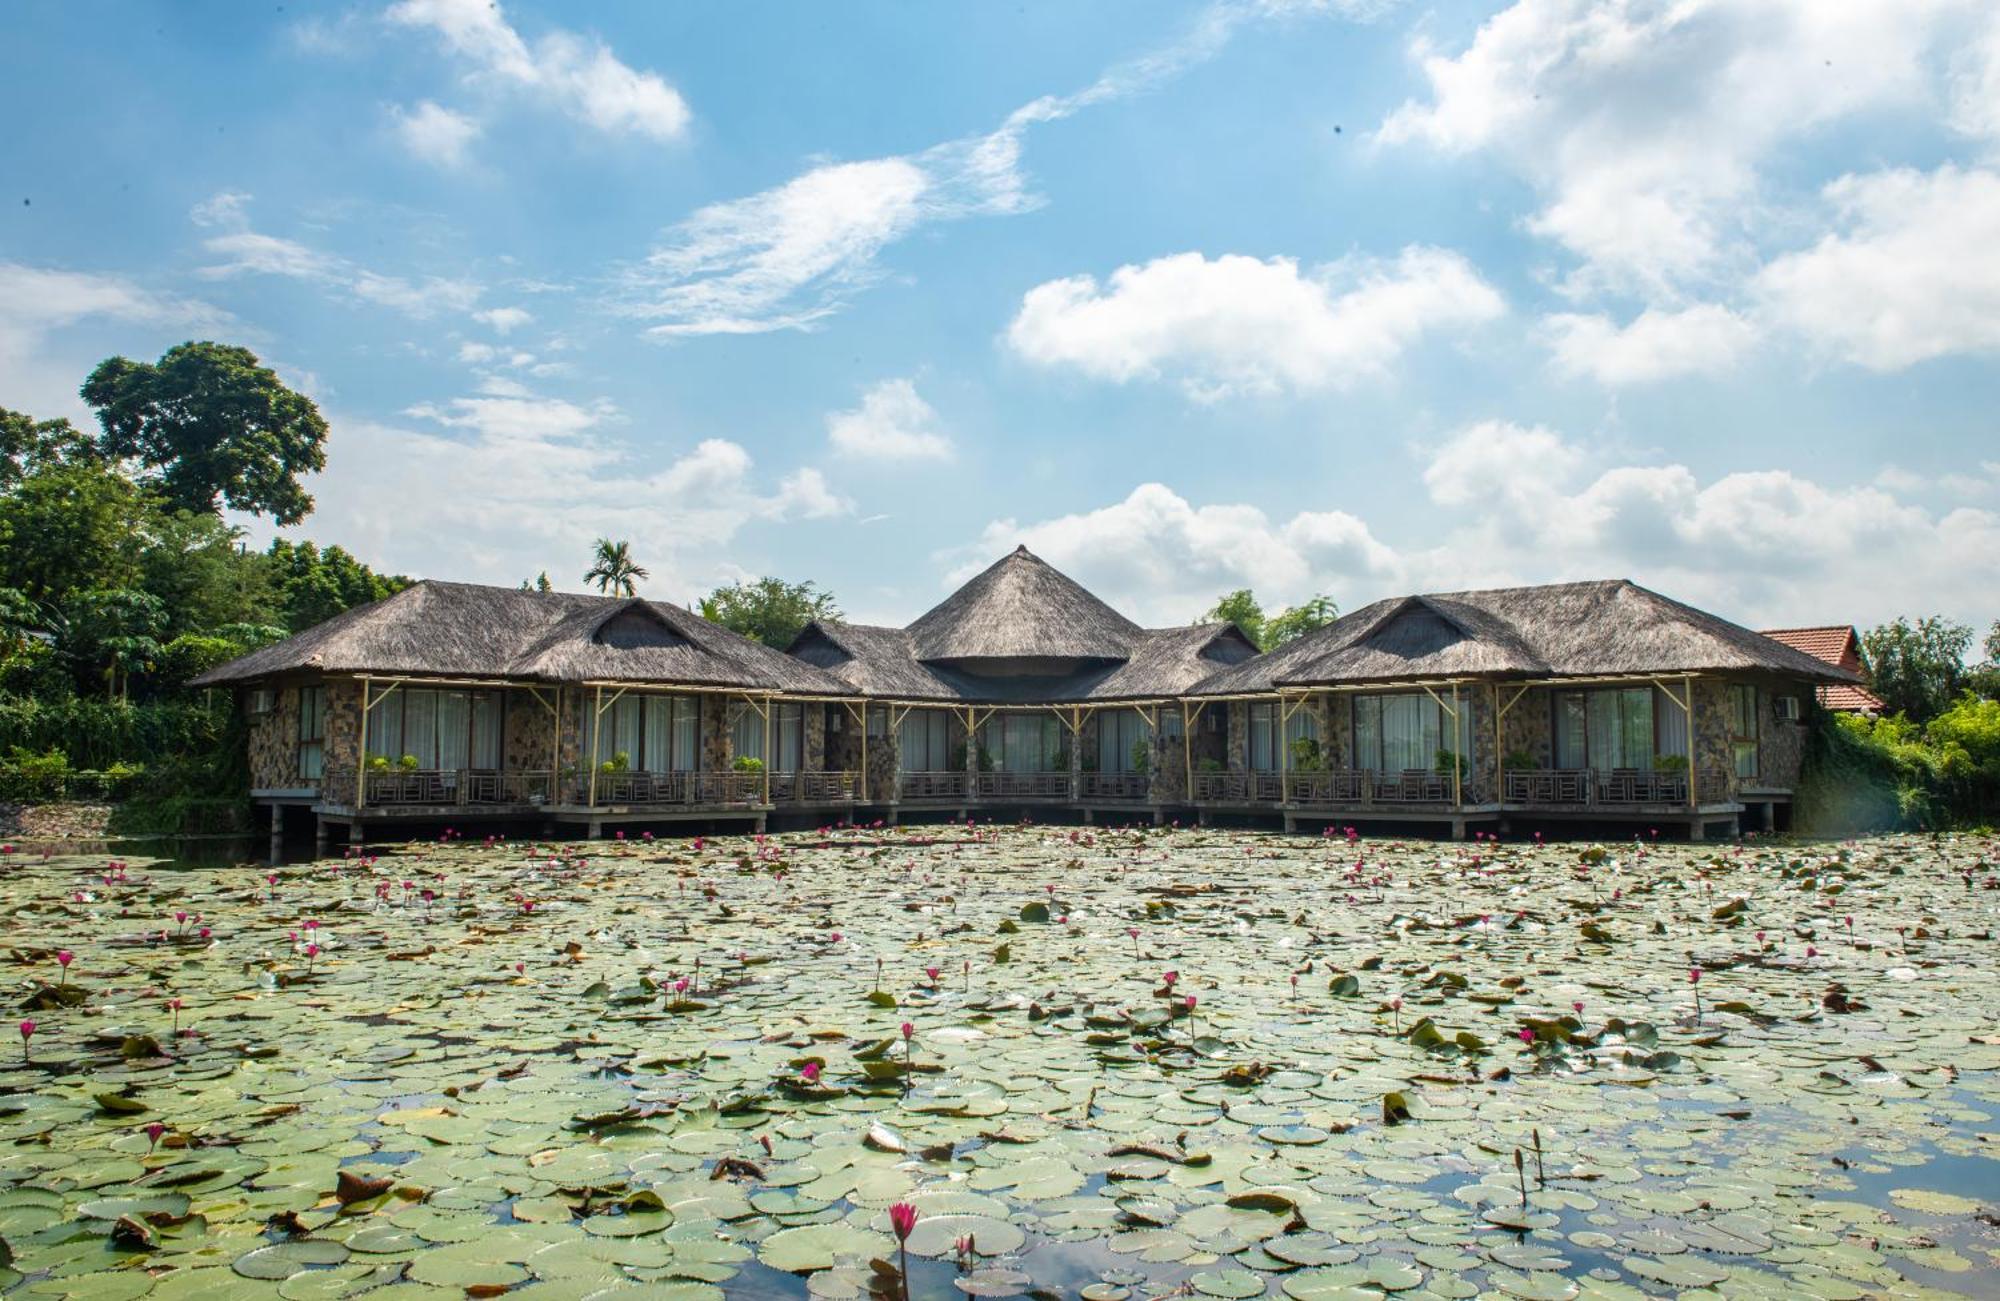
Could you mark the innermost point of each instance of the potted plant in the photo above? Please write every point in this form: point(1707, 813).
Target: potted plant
point(747, 764)
point(1307, 755)
point(1142, 757)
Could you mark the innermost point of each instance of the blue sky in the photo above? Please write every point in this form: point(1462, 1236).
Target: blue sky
point(1357, 297)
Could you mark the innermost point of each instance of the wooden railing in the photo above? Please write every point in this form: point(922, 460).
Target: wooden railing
point(674, 789)
point(1115, 785)
point(1589, 786)
point(1238, 787)
point(933, 785)
point(813, 787)
point(1023, 785)
point(441, 787)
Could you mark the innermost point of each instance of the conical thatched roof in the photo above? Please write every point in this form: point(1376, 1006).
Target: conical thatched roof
point(1022, 608)
point(1609, 627)
point(472, 631)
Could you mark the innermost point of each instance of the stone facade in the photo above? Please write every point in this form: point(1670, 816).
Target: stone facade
point(274, 743)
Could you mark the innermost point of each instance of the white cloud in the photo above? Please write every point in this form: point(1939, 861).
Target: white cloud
point(1660, 343)
point(1521, 504)
point(581, 77)
point(1975, 83)
point(789, 256)
point(1910, 275)
point(504, 320)
point(1643, 126)
point(1237, 323)
point(477, 354)
point(38, 302)
point(893, 423)
point(497, 486)
point(244, 251)
point(435, 133)
point(1164, 560)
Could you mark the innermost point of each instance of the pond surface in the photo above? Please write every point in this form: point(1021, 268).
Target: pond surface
point(470, 1069)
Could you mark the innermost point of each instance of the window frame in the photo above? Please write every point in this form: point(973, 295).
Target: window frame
point(1744, 702)
point(312, 733)
point(399, 699)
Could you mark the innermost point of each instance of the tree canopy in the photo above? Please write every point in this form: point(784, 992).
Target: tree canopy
point(1917, 667)
point(1268, 632)
point(769, 610)
point(211, 426)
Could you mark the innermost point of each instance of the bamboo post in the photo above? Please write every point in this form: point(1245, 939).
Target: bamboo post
point(596, 741)
point(1457, 759)
point(864, 751)
point(361, 753)
point(1694, 742)
point(768, 755)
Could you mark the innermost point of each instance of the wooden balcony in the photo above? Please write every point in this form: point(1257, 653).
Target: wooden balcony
point(1592, 788)
point(1022, 785)
point(919, 786)
point(404, 788)
point(1115, 786)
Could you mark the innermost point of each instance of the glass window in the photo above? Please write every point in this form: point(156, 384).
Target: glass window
point(1743, 728)
point(1022, 742)
point(686, 735)
point(921, 741)
point(312, 733)
point(788, 732)
point(746, 737)
point(1119, 731)
point(1302, 739)
point(1404, 731)
point(439, 728)
point(1263, 737)
point(1622, 727)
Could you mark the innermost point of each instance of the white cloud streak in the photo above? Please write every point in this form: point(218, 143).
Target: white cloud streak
point(893, 423)
point(1238, 323)
point(243, 251)
point(578, 76)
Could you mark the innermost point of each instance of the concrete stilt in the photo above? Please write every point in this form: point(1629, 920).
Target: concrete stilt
point(1291, 823)
point(1697, 829)
point(277, 834)
point(320, 835)
point(1458, 828)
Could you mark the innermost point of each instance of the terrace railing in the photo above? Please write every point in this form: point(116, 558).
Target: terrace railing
point(444, 787)
point(813, 787)
point(667, 790)
point(933, 785)
point(1023, 785)
point(1115, 785)
point(1238, 787)
point(1588, 786)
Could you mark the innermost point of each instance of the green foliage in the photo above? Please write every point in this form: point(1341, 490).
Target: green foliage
point(1517, 761)
point(1670, 763)
point(1142, 756)
point(1307, 756)
point(1444, 761)
point(1268, 632)
point(28, 445)
point(212, 426)
point(1966, 740)
point(747, 763)
point(1240, 608)
point(617, 763)
point(1916, 668)
point(613, 569)
point(70, 526)
point(97, 733)
point(769, 610)
point(1865, 774)
point(314, 585)
point(1299, 620)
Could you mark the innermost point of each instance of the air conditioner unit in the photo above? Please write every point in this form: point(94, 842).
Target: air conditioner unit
point(1786, 707)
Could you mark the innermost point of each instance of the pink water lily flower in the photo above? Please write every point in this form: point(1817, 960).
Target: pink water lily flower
point(809, 1072)
point(902, 1219)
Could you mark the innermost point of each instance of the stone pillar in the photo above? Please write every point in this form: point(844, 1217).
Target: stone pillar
point(1075, 755)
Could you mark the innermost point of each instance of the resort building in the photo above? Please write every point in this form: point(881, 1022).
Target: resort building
point(1839, 645)
point(1023, 694)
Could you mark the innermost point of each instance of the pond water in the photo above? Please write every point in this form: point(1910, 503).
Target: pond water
point(678, 1069)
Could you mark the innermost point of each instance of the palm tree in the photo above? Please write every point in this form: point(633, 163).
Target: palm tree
point(613, 570)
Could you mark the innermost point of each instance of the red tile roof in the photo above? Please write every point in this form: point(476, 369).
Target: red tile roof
point(1836, 644)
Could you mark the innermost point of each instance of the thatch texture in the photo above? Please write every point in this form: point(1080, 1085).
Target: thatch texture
point(882, 662)
point(1021, 608)
point(467, 630)
point(1608, 627)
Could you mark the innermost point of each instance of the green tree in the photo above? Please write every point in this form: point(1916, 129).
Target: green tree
point(613, 569)
point(541, 583)
point(1240, 608)
point(112, 633)
point(1299, 620)
point(769, 610)
point(28, 445)
point(212, 426)
point(198, 567)
point(1916, 668)
point(314, 585)
point(71, 525)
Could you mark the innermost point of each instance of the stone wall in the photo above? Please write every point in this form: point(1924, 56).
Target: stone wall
point(343, 734)
point(274, 742)
point(812, 746)
point(1715, 764)
point(1237, 744)
point(528, 737)
point(1529, 727)
point(1782, 747)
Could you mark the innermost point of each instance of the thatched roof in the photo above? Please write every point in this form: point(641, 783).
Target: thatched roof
point(1022, 608)
point(1610, 627)
point(466, 630)
point(883, 662)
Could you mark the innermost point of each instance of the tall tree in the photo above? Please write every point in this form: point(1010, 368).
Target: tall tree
point(1299, 620)
point(1917, 668)
point(71, 525)
point(1240, 608)
point(315, 585)
point(212, 426)
point(769, 610)
point(613, 570)
point(28, 445)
